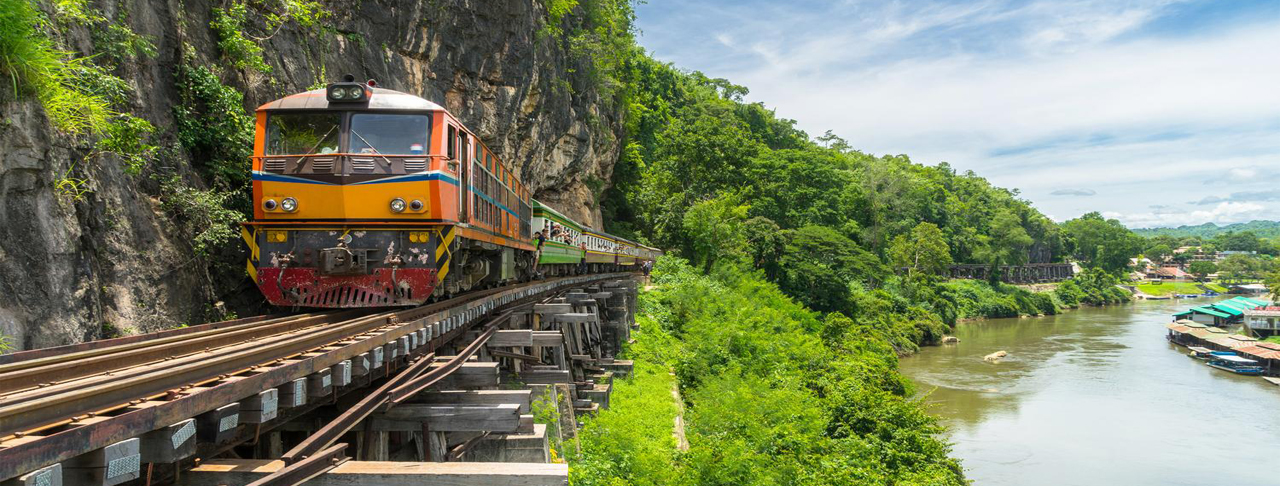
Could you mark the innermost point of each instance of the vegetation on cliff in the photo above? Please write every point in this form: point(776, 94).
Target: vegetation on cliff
point(775, 394)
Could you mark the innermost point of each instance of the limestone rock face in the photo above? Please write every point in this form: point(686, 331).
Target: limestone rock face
point(112, 257)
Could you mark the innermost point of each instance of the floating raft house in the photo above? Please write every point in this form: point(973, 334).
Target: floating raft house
point(1221, 313)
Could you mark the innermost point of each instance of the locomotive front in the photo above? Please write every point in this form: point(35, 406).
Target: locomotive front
point(353, 198)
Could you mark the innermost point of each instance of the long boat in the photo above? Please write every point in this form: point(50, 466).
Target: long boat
point(1237, 365)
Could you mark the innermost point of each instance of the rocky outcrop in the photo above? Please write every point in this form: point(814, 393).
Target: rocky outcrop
point(74, 268)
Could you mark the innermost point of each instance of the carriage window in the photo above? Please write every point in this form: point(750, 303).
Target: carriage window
point(380, 133)
point(302, 133)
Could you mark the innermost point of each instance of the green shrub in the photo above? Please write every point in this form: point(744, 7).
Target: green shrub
point(204, 213)
point(229, 24)
point(774, 394)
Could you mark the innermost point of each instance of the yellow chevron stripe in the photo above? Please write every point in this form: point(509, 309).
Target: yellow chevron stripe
point(251, 270)
point(440, 275)
point(251, 240)
point(446, 239)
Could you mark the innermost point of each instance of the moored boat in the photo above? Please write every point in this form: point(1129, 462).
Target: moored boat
point(1203, 353)
point(1236, 364)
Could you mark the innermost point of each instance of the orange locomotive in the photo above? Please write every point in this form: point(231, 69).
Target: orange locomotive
point(370, 197)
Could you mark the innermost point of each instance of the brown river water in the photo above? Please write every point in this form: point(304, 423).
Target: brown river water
point(1097, 396)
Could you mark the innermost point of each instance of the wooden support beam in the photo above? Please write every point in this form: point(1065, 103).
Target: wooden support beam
point(217, 472)
point(544, 377)
point(511, 338)
point(476, 397)
point(504, 418)
point(471, 376)
point(548, 338)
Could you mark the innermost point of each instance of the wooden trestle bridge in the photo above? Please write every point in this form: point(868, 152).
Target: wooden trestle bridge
point(439, 394)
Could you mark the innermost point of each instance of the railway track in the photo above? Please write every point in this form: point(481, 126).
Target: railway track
point(59, 403)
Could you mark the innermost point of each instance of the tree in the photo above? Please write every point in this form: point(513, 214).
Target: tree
point(1202, 269)
point(1273, 285)
point(819, 264)
point(924, 250)
point(1242, 241)
point(714, 230)
point(1238, 268)
point(1102, 243)
point(1159, 252)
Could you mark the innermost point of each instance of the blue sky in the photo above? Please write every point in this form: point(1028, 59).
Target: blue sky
point(1155, 112)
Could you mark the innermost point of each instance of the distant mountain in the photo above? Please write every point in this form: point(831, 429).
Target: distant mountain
point(1264, 229)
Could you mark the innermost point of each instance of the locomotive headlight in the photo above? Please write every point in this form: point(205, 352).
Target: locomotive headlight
point(416, 205)
point(289, 204)
point(269, 205)
point(397, 205)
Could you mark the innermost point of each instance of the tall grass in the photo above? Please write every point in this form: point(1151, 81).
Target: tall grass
point(35, 66)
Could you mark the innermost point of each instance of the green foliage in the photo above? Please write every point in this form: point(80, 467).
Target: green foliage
point(204, 214)
point(1101, 243)
point(556, 11)
point(214, 127)
point(119, 43)
point(1094, 286)
point(77, 95)
point(229, 24)
point(818, 264)
point(1207, 231)
point(714, 229)
point(775, 395)
point(1245, 268)
point(127, 137)
point(922, 251)
point(1201, 269)
point(974, 299)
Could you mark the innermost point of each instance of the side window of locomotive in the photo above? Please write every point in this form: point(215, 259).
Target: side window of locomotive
point(389, 134)
point(453, 143)
point(302, 133)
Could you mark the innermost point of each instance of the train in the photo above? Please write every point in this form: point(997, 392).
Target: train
point(369, 197)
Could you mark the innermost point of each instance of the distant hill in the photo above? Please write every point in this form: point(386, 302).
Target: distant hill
point(1264, 229)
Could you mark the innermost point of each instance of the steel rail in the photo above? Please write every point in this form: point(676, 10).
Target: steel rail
point(306, 469)
point(24, 375)
point(394, 391)
point(28, 414)
point(122, 377)
point(288, 357)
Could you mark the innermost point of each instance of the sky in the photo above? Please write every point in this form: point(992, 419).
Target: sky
point(1154, 112)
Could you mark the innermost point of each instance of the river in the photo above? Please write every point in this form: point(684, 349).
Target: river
point(1097, 396)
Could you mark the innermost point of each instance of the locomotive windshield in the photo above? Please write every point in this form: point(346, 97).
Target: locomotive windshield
point(390, 134)
point(302, 133)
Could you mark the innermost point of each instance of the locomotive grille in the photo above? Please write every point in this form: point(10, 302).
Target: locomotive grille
point(362, 164)
point(345, 297)
point(273, 165)
point(322, 165)
point(415, 165)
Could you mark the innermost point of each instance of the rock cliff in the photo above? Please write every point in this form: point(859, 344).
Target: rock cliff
point(74, 269)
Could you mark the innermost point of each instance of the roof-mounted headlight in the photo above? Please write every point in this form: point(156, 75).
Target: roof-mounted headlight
point(347, 91)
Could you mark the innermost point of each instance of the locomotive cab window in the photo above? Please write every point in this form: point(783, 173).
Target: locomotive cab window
point(391, 134)
point(302, 133)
